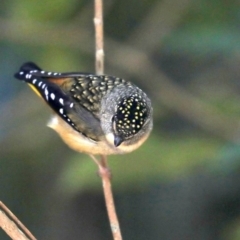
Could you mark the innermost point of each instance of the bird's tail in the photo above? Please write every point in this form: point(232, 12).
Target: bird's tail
point(25, 70)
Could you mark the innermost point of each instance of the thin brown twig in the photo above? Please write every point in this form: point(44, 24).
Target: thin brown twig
point(105, 174)
point(112, 215)
point(11, 228)
point(103, 168)
point(12, 225)
point(98, 21)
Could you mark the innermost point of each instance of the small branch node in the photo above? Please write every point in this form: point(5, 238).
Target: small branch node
point(104, 172)
point(97, 21)
point(100, 53)
point(114, 228)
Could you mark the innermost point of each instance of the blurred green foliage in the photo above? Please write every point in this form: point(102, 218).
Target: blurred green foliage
point(164, 159)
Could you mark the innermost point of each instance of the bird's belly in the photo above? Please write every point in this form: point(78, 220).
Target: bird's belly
point(81, 143)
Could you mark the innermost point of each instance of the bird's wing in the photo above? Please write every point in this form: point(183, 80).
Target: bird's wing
point(57, 89)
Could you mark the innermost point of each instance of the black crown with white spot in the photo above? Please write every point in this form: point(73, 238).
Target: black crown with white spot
point(132, 112)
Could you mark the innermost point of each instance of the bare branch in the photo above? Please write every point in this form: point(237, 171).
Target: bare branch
point(105, 174)
point(103, 169)
point(98, 21)
point(107, 189)
point(12, 225)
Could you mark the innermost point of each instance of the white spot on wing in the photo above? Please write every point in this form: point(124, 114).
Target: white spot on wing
point(39, 84)
point(71, 105)
point(21, 73)
point(46, 92)
point(34, 81)
point(61, 101)
point(52, 95)
point(61, 110)
point(28, 76)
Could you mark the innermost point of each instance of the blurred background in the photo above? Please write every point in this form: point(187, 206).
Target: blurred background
point(184, 182)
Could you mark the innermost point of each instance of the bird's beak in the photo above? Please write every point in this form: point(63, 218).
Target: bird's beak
point(117, 140)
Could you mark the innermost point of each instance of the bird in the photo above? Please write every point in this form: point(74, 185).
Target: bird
point(93, 114)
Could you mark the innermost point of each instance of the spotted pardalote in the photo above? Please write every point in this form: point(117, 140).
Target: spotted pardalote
point(95, 114)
